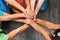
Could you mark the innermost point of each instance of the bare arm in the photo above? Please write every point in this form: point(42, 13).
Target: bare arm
point(28, 8)
point(19, 20)
point(11, 17)
point(41, 30)
point(48, 24)
point(13, 33)
point(39, 4)
point(16, 5)
point(28, 4)
point(32, 4)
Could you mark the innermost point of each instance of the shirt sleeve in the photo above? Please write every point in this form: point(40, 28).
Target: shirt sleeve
point(1, 13)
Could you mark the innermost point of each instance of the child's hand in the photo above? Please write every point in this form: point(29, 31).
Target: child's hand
point(27, 14)
point(34, 19)
point(32, 13)
point(27, 21)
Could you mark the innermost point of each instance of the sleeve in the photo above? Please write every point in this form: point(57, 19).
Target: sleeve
point(45, 4)
point(1, 13)
point(3, 36)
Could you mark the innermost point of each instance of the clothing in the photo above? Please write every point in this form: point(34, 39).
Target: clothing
point(45, 4)
point(1, 13)
point(3, 36)
point(4, 7)
point(21, 2)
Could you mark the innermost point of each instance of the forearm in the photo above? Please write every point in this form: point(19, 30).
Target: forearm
point(39, 4)
point(48, 24)
point(19, 20)
point(16, 5)
point(32, 5)
point(13, 33)
point(41, 30)
point(28, 4)
point(11, 17)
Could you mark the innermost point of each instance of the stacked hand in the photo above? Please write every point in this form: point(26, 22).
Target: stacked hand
point(30, 16)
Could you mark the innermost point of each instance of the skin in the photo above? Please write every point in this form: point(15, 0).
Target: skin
point(17, 13)
point(26, 11)
point(48, 24)
point(32, 5)
point(16, 5)
point(22, 28)
point(39, 4)
point(39, 29)
point(8, 17)
point(28, 4)
point(28, 19)
point(28, 8)
point(25, 26)
point(16, 31)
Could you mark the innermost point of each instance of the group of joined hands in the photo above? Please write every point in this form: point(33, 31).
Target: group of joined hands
point(30, 17)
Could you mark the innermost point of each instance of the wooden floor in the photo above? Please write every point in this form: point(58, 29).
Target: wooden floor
point(51, 14)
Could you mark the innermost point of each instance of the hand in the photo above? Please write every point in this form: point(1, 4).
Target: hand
point(32, 13)
point(34, 18)
point(27, 14)
point(27, 21)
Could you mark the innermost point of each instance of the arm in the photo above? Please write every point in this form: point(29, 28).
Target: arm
point(13, 33)
point(28, 8)
point(28, 4)
point(49, 25)
point(16, 5)
point(19, 20)
point(32, 5)
point(33, 10)
point(41, 30)
point(39, 4)
point(11, 17)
